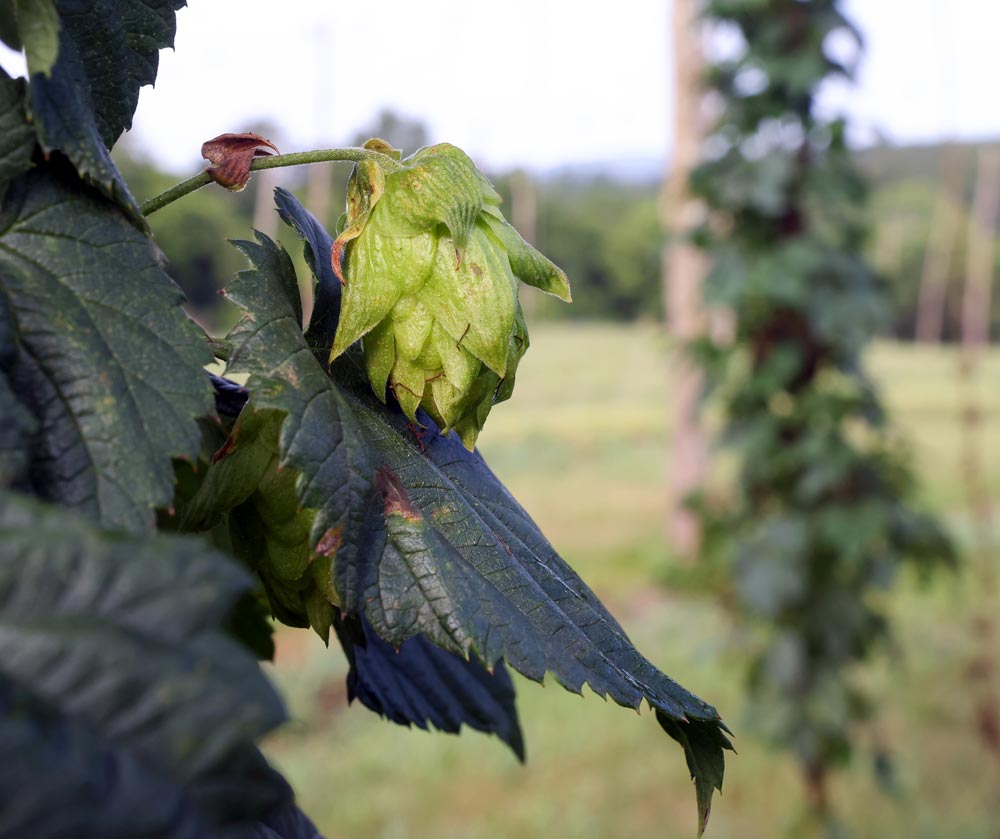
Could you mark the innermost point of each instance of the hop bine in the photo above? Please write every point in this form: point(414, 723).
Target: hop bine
point(430, 271)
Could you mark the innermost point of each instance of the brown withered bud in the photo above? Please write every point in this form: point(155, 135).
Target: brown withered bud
point(231, 156)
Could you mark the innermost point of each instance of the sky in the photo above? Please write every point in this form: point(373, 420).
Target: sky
point(535, 83)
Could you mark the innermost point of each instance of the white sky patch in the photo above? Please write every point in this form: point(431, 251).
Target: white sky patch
point(510, 84)
point(540, 83)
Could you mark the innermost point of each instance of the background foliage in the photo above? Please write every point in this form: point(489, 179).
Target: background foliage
point(603, 228)
point(821, 514)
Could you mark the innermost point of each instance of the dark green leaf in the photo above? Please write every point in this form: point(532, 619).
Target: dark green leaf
point(17, 137)
point(250, 624)
point(38, 31)
point(132, 34)
point(107, 361)
point(136, 714)
point(427, 539)
point(70, 782)
point(8, 26)
point(63, 115)
point(17, 426)
point(108, 49)
point(330, 449)
point(704, 750)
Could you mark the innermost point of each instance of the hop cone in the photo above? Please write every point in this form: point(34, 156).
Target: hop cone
point(430, 270)
point(246, 488)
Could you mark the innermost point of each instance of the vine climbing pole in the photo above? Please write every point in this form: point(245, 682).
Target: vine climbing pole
point(820, 513)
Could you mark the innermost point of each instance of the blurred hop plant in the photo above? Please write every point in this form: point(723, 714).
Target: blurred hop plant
point(430, 270)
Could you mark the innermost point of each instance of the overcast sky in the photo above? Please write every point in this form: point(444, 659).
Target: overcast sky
point(527, 82)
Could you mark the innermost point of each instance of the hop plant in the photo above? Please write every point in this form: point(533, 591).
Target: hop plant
point(430, 271)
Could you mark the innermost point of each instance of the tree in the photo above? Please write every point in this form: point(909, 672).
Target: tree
point(821, 515)
point(153, 516)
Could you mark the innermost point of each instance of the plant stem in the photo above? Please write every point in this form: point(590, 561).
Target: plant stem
point(274, 161)
point(158, 202)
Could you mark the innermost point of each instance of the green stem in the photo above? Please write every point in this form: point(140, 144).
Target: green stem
point(158, 202)
point(274, 161)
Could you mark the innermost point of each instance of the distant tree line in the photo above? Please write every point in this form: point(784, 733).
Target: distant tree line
point(605, 231)
point(921, 216)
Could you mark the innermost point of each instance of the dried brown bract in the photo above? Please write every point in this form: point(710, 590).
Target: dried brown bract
point(231, 156)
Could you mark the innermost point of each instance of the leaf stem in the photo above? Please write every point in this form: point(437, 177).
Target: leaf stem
point(274, 161)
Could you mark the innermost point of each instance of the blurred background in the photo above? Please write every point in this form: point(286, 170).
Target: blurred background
point(571, 111)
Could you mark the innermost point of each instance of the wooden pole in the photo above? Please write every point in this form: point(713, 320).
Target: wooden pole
point(684, 267)
point(929, 327)
point(981, 248)
point(982, 672)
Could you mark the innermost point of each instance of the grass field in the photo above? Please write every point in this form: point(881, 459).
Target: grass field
point(583, 446)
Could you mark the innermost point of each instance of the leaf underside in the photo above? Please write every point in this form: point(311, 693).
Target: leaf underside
point(430, 542)
point(130, 713)
point(285, 822)
point(422, 684)
point(85, 293)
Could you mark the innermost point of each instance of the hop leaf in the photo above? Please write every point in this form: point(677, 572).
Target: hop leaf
point(430, 270)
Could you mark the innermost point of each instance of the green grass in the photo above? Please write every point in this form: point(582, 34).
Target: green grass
point(583, 445)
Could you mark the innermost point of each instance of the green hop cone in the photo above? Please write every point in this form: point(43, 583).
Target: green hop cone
point(430, 270)
point(243, 489)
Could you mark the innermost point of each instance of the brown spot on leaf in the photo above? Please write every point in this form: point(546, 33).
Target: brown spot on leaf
point(394, 497)
point(330, 543)
point(506, 547)
point(224, 449)
point(337, 258)
point(231, 156)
